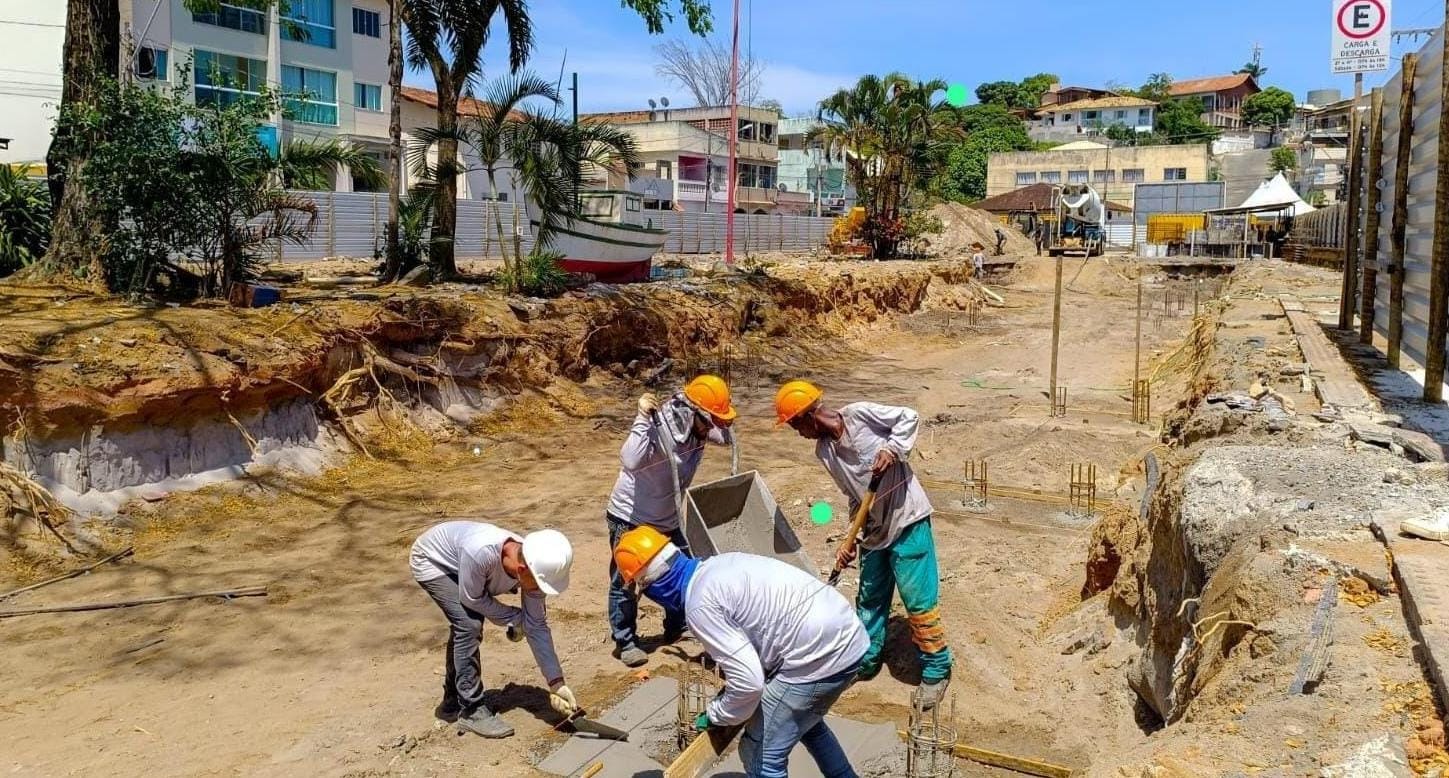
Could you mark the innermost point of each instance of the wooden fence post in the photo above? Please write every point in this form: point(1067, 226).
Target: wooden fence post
point(1400, 225)
point(1351, 244)
point(1439, 258)
point(1373, 176)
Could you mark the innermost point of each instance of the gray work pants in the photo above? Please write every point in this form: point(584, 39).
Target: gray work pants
point(463, 682)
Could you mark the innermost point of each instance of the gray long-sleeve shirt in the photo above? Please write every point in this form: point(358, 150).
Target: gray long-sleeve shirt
point(761, 618)
point(472, 552)
point(901, 500)
point(644, 491)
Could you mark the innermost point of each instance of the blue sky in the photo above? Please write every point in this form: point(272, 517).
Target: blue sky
point(815, 46)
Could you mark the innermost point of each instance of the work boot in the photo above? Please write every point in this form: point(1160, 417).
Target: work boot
point(448, 710)
point(632, 656)
point(930, 693)
point(674, 636)
point(482, 722)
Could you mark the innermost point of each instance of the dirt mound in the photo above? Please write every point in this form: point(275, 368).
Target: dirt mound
point(1098, 276)
point(965, 225)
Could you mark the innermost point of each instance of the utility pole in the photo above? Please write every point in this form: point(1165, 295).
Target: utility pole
point(579, 172)
point(734, 139)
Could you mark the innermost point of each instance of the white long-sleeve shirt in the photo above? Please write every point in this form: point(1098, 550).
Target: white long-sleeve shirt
point(901, 500)
point(760, 619)
point(472, 552)
point(644, 491)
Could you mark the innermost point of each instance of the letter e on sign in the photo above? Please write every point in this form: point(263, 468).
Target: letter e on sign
point(1360, 35)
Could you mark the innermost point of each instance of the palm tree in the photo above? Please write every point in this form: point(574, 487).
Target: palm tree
point(447, 37)
point(309, 164)
point(893, 133)
point(542, 155)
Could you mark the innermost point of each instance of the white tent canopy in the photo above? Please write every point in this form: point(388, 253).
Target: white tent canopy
point(1276, 195)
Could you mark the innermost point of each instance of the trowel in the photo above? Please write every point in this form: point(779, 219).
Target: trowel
point(584, 725)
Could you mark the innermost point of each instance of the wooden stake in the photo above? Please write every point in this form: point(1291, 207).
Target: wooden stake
point(1057, 326)
point(127, 551)
point(248, 591)
point(1374, 173)
point(1439, 262)
point(1349, 289)
point(702, 753)
point(1137, 358)
point(1400, 226)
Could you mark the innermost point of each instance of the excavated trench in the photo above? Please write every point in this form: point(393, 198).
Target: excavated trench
point(136, 406)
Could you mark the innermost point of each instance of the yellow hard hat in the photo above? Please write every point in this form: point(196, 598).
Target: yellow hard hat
point(794, 398)
point(636, 549)
point(711, 394)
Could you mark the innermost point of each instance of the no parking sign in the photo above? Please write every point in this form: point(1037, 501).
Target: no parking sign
point(1361, 36)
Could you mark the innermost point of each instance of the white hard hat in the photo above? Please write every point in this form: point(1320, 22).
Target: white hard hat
point(549, 555)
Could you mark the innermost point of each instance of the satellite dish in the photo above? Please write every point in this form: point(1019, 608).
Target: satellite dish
point(782, 187)
point(146, 62)
point(664, 101)
point(652, 104)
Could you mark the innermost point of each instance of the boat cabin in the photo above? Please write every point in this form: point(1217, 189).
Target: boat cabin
point(613, 207)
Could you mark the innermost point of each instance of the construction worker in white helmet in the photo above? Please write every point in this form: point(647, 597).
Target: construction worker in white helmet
point(465, 566)
point(856, 442)
point(657, 463)
point(788, 644)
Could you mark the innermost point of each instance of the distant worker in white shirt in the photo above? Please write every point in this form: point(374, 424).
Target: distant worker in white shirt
point(788, 644)
point(646, 493)
point(854, 443)
point(465, 566)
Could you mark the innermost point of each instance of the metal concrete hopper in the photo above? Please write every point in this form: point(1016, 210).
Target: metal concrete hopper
point(739, 514)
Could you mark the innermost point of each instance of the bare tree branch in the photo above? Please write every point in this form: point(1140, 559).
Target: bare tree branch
point(704, 69)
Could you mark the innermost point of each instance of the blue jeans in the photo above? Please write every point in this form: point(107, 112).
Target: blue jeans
point(791, 713)
point(623, 602)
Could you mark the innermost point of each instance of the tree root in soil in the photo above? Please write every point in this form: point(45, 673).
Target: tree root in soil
point(362, 387)
point(43, 505)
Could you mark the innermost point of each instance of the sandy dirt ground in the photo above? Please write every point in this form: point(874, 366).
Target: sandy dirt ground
point(337, 672)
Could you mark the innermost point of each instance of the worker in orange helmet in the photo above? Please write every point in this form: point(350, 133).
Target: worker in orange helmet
point(657, 463)
point(854, 443)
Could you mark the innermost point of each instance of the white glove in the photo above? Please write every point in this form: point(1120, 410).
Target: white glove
point(648, 403)
point(562, 700)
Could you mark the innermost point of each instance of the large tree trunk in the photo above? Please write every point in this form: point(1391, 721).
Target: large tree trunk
point(445, 214)
point(394, 267)
point(91, 58)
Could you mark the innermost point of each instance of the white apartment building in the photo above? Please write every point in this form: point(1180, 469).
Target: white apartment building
point(34, 32)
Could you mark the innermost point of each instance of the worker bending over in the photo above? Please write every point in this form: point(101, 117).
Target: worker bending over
point(465, 566)
point(647, 494)
point(788, 645)
point(854, 443)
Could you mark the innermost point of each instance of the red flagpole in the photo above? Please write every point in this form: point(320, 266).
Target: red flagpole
point(734, 138)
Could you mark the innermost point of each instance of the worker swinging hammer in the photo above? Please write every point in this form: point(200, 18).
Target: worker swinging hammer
point(856, 443)
point(657, 463)
point(465, 566)
point(788, 645)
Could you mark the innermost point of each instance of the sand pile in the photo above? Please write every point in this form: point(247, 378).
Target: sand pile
point(965, 225)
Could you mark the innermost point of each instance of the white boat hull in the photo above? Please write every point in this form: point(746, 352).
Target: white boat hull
point(610, 252)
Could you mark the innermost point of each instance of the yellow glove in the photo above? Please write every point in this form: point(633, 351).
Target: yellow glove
point(648, 403)
point(562, 700)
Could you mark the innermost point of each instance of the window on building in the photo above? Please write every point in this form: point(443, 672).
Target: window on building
point(1104, 176)
point(767, 133)
point(367, 97)
point(1025, 179)
point(310, 21)
point(380, 158)
point(1134, 175)
point(222, 79)
point(1174, 174)
point(1051, 177)
point(747, 175)
point(1209, 103)
point(766, 176)
point(748, 129)
point(1120, 115)
point(235, 18)
point(1089, 116)
point(365, 22)
point(153, 63)
point(1066, 117)
point(310, 96)
point(1144, 117)
point(1076, 176)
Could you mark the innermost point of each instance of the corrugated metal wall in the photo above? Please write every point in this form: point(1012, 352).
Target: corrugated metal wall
point(1322, 228)
point(352, 224)
point(1423, 178)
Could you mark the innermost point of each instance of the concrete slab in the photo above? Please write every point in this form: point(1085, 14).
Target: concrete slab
point(864, 743)
point(1422, 569)
point(649, 708)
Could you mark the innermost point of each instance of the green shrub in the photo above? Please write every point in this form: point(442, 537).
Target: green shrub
point(538, 275)
point(24, 220)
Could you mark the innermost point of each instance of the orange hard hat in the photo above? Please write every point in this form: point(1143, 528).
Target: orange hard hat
point(794, 398)
point(711, 394)
point(636, 549)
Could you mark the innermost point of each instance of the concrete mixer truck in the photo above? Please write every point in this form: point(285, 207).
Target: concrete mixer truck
point(1081, 221)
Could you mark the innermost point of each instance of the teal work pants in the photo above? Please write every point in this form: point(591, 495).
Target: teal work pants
point(908, 564)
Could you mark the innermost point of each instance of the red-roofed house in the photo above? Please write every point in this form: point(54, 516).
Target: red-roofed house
point(1222, 97)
